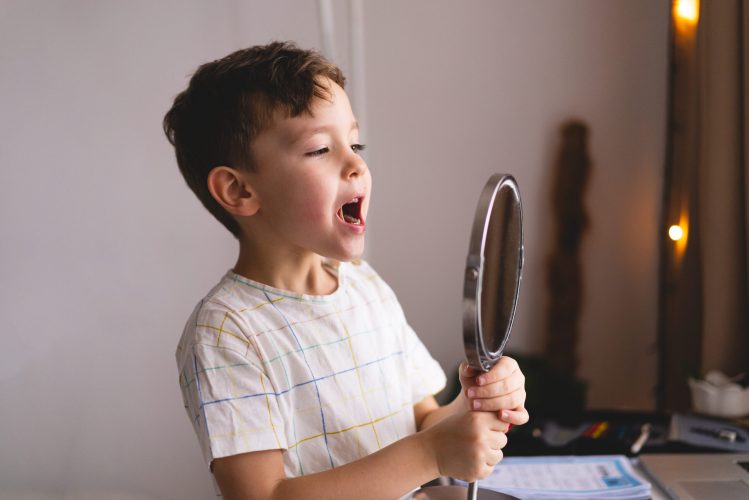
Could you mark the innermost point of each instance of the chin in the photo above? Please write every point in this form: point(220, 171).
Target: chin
point(353, 255)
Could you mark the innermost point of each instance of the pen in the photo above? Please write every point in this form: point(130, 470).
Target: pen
point(644, 434)
point(728, 435)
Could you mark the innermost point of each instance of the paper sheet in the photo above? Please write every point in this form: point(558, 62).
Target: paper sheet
point(567, 477)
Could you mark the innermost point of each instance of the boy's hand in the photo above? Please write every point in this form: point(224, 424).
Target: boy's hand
point(467, 445)
point(500, 390)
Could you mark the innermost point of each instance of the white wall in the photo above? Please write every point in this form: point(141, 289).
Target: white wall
point(456, 93)
point(104, 250)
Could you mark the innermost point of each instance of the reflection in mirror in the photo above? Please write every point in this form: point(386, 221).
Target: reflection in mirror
point(501, 273)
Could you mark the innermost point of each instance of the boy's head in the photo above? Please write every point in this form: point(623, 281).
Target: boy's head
point(230, 101)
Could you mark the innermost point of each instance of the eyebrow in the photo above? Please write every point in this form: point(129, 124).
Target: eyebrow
point(319, 129)
point(325, 128)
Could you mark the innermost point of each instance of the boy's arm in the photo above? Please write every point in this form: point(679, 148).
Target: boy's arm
point(389, 473)
point(465, 446)
point(428, 411)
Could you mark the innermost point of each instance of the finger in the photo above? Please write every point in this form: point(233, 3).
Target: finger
point(499, 388)
point(485, 471)
point(467, 371)
point(496, 440)
point(467, 375)
point(494, 458)
point(500, 442)
point(518, 416)
point(490, 421)
point(507, 402)
point(503, 369)
point(496, 426)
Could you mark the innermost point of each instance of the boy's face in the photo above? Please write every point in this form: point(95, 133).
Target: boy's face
point(312, 185)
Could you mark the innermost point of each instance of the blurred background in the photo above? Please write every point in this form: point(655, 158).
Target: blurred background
point(105, 251)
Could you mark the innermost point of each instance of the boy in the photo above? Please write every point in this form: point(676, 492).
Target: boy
point(299, 372)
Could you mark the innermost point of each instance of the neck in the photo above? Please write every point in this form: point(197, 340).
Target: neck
point(293, 270)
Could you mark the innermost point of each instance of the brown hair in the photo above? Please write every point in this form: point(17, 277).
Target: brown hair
point(228, 102)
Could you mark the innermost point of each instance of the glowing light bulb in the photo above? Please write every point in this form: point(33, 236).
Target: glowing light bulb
point(675, 232)
point(687, 10)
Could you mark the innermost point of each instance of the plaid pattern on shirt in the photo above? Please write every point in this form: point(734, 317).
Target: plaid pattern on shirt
point(328, 379)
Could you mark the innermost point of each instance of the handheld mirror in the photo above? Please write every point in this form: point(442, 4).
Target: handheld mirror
point(493, 268)
point(490, 294)
point(492, 278)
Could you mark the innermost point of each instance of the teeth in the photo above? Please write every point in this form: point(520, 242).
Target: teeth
point(351, 219)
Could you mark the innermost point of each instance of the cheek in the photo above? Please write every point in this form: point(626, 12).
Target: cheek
point(311, 212)
point(313, 201)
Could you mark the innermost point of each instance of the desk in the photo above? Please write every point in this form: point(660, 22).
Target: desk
point(656, 493)
point(614, 433)
point(577, 435)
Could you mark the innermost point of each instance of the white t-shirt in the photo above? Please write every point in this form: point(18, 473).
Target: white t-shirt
point(328, 379)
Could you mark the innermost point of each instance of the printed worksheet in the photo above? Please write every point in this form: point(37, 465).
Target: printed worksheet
point(568, 477)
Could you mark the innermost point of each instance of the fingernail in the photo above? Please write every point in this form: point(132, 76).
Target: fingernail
point(477, 405)
point(471, 393)
point(480, 380)
point(505, 415)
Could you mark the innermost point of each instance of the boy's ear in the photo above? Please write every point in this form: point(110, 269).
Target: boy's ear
point(230, 188)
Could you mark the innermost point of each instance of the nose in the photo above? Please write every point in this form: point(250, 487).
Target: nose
point(355, 166)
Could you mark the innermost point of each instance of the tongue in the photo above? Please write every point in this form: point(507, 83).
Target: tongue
point(351, 219)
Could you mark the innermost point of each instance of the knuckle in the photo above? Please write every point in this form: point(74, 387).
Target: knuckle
point(500, 387)
point(476, 443)
point(507, 385)
point(502, 440)
point(486, 405)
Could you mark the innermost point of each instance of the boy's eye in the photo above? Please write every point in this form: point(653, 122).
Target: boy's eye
point(358, 148)
point(318, 152)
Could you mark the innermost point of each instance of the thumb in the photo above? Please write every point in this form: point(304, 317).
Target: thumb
point(467, 375)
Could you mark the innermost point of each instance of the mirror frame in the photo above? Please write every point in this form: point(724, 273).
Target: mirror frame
point(477, 354)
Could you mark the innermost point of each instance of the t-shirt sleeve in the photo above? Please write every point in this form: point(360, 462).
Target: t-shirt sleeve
point(230, 399)
point(425, 373)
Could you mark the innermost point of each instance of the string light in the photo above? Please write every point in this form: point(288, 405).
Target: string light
point(687, 11)
point(675, 232)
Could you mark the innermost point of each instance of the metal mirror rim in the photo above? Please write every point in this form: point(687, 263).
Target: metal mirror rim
point(476, 353)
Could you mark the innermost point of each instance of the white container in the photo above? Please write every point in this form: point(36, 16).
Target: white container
point(719, 396)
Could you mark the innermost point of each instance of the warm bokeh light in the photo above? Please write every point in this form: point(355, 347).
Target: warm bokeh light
point(686, 11)
point(679, 233)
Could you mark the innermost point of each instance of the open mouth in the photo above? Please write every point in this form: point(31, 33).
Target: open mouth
point(351, 212)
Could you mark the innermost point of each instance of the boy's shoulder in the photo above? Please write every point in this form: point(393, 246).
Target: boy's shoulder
point(216, 320)
point(360, 274)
